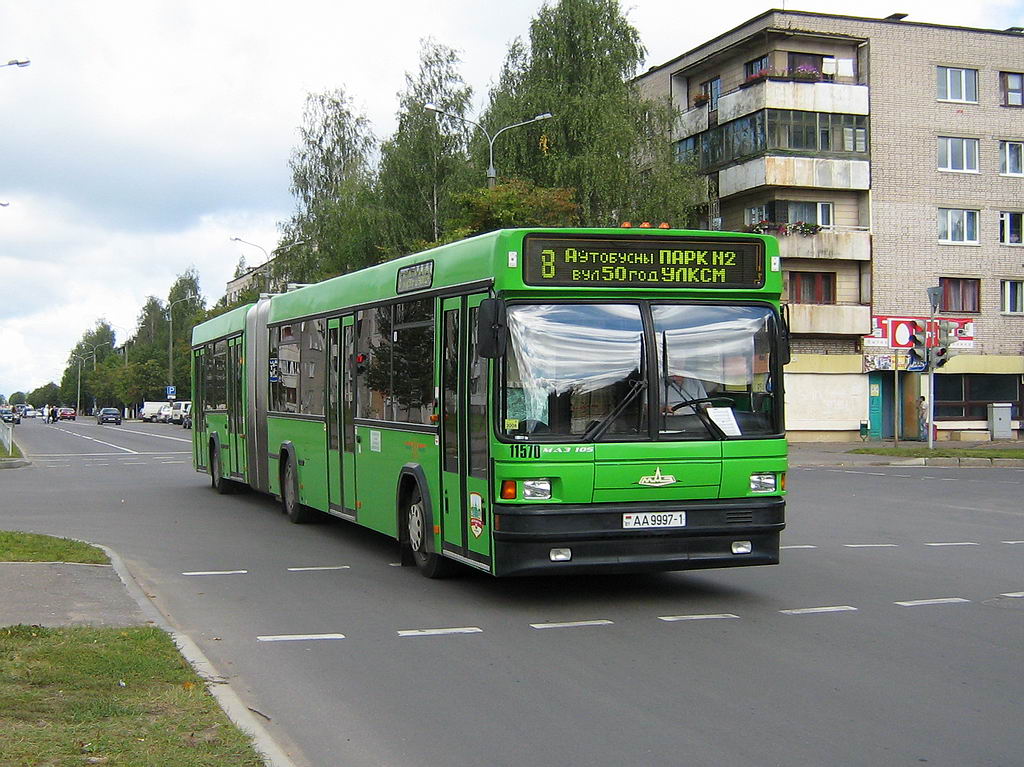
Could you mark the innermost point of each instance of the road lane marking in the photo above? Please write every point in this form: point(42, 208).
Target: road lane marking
point(216, 572)
point(1012, 543)
point(158, 436)
point(941, 601)
point(100, 441)
point(298, 637)
point(801, 546)
point(701, 617)
point(164, 463)
point(570, 624)
point(1014, 594)
point(871, 545)
point(439, 632)
point(310, 569)
point(815, 610)
point(954, 543)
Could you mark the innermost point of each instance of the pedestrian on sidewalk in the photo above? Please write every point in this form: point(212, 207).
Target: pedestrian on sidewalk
point(922, 417)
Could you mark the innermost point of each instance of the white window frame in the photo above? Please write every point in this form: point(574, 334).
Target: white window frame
point(1005, 150)
point(949, 217)
point(953, 154)
point(958, 75)
point(755, 214)
point(1012, 97)
point(1005, 217)
point(1006, 289)
point(826, 212)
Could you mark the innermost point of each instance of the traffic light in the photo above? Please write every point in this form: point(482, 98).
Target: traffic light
point(918, 354)
point(946, 338)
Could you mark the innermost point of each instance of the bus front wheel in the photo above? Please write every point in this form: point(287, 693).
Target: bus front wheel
point(290, 504)
point(418, 524)
point(217, 481)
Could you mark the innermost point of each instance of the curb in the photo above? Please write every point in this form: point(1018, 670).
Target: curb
point(239, 714)
point(13, 463)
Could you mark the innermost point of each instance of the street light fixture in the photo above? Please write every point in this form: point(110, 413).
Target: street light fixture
point(492, 176)
point(16, 63)
point(170, 337)
point(269, 256)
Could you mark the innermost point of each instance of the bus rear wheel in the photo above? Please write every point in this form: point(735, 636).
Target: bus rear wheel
point(217, 481)
point(290, 504)
point(418, 524)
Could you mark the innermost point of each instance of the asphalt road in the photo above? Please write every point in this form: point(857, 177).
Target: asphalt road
point(891, 634)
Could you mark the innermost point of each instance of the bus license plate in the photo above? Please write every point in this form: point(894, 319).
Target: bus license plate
point(660, 519)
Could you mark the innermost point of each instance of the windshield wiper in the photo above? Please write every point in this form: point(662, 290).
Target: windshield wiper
point(597, 429)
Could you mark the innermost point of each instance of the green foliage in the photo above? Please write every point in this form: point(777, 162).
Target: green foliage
point(17, 398)
point(32, 547)
point(514, 203)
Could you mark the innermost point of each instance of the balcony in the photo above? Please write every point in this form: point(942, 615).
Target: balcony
point(805, 96)
point(812, 172)
point(830, 319)
point(843, 243)
point(691, 122)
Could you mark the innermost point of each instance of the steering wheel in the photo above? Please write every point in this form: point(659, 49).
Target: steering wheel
point(699, 400)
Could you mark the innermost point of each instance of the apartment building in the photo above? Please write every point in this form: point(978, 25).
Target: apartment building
point(886, 154)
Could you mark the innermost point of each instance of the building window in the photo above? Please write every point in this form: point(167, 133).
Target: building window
point(805, 63)
point(1010, 225)
point(958, 226)
point(1011, 158)
point(817, 131)
point(812, 287)
point(712, 89)
point(958, 154)
point(1012, 87)
point(955, 84)
point(755, 214)
point(1013, 296)
point(967, 396)
point(756, 67)
point(959, 295)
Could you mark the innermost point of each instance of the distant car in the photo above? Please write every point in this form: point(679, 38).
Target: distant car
point(163, 415)
point(66, 414)
point(30, 412)
point(179, 410)
point(7, 415)
point(109, 415)
point(186, 422)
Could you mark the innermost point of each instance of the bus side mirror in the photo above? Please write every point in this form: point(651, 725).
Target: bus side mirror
point(491, 330)
point(784, 352)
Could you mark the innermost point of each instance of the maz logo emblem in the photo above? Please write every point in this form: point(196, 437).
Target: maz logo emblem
point(657, 479)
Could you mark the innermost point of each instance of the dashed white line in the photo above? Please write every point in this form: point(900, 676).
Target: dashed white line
point(217, 572)
point(815, 610)
point(1012, 543)
point(298, 637)
point(439, 632)
point(941, 601)
point(311, 569)
point(954, 543)
point(570, 624)
point(870, 545)
point(801, 546)
point(699, 617)
point(1014, 594)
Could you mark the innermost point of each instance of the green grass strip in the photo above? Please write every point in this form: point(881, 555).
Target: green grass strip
point(116, 696)
point(30, 547)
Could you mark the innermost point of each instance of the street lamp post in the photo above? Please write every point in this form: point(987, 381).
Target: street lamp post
point(170, 337)
point(16, 63)
point(269, 256)
point(492, 175)
point(78, 401)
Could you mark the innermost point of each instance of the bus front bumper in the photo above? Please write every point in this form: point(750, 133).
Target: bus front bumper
point(588, 538)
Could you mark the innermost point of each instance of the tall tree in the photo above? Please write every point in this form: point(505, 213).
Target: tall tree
point(603, 141)
point(424, 163)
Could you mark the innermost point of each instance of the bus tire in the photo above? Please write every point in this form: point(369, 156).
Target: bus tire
point(417, 524)
point(217, 481)
point(290, 504)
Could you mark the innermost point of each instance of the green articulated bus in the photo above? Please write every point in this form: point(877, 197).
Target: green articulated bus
point(526, 401)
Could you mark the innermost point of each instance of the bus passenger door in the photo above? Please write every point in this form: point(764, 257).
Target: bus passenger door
point(346, 413)
point(334, 496)
point(235, 464)
point(464, 435)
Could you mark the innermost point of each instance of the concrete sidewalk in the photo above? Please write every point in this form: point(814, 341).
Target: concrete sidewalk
point(838, 454)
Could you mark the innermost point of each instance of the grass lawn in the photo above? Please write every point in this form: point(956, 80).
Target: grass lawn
point(943, 452)
point(113, 696)
point(14, 452)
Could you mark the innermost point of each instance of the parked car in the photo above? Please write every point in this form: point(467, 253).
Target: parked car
point(164, 414)
point(8, 415)
point(66, 414)
point(29, 412)
point(186, 422)
point(109, 415)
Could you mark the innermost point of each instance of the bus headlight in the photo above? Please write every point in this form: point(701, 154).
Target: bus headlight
point(763, 483)
point(536, 489)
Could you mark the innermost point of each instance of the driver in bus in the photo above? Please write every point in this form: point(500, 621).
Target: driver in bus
point(681, 389)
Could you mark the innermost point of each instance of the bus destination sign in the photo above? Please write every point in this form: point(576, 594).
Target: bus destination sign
point(644, 262)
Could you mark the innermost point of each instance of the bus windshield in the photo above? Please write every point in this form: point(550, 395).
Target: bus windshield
point(583, 372)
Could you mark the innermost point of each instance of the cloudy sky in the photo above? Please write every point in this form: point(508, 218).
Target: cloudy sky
point(145, 134)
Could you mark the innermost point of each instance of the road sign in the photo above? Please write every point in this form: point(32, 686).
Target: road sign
point(171, 392)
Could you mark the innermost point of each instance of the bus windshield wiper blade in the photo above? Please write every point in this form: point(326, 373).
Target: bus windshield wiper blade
point(598, 429)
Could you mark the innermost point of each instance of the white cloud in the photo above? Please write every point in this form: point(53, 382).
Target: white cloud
point(145, 134)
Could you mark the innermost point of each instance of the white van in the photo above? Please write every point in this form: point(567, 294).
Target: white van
point(150, 410)
point(179, 410)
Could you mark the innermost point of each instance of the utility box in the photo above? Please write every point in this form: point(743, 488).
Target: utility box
point(999, 420)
